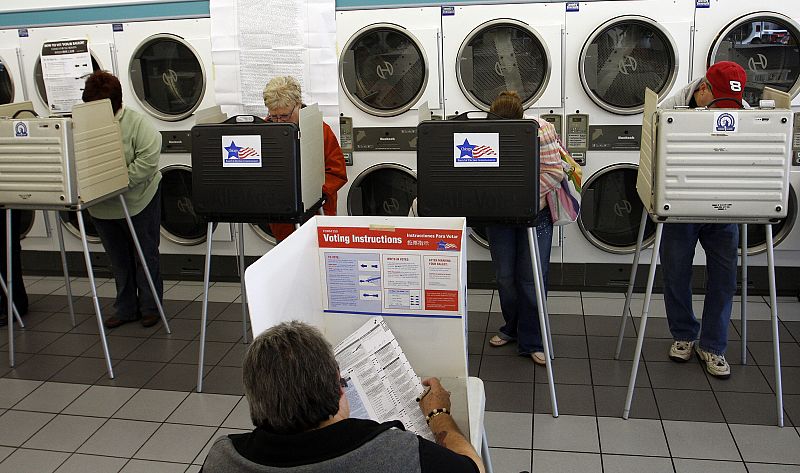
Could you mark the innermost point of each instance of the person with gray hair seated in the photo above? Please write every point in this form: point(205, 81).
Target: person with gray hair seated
point(298, 405)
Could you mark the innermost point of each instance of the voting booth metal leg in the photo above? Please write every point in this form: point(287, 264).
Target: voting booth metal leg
point(95, 300)
point(16, 312)
point(144, 264)
point(540, 303)
point(743, 241)
point(204, 317)
point(240, 229)
point(634, 268)
point(9, 288)
point(776, 347)
point(651, 276)
point(543, 291)
point(67, 283)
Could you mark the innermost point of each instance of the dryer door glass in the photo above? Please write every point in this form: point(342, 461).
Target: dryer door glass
point(611, 210)
point(757, 235)
point(27, 218)
point(385, 190)
point(502, 55)
point(70, 222)
point(6, 85)
point(264, 232)
point(767, 48)
point(624, 57)
point(38, 77)
point(479, 236)
point(383, 70)
point(179, 223)
point(167, 77)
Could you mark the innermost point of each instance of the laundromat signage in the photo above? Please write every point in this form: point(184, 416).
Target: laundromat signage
point(476, 150)
point(241, 151)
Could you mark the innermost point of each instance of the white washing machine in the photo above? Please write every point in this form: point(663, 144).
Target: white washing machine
point(35, 231)
point(389, 66)
point(492, 48)
point(764, 40)
point(166, 73)
point(613, 51)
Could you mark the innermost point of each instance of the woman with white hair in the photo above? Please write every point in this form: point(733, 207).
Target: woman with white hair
point(283, 98)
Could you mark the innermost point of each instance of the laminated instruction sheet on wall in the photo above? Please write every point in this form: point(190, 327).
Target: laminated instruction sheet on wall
point(402, 271)
point(380, 383)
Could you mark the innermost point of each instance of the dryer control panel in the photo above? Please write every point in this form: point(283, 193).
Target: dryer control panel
point(577, 136)
point(557, 121)
point(346, 139)
point(796, 140)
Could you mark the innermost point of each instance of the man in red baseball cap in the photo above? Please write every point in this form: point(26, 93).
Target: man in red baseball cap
point(722, 87)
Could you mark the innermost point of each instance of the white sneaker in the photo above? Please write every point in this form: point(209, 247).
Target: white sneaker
point(681, 351)
point(716, 365)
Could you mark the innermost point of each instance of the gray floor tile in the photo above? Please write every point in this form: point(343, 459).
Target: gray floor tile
point(32, 461)
point(682, 404)
point(82, 370)
point(155, 349)
point(119, 438)
point(473, 365)
point(760, 408)
point(193, 469)
point(566, 371)
point(509, 349)
point(232, 313)
point(617, 373)
point(235, 355)
point(102, 401)
point(174, 377)
point(58, 322)
point(80, 463)
point(667, 373)
point(507, 429)
point(748, 379)
point(16, 427)
point(479, 302)
point(215, 352)
point(760, 443)
point(761, 353)
point(508, 397)
point(495, 322)
point(573, 399)
point(564, 305)
point(506, 368)
point(602, 306)
point(132, 374)
point(119, 346)
point(761, 330)
point(566, 462)
point(565, 433)
point(708, 466)
point(70, 344)
point(791, 383)
point(770, 468)
point(182, 329)
point(40, 367)
point(136, 329)
point(632, 437)
point(475, 342)
point(701, 440)
point(239, 418)
point(152, 405)
point(204, 409)
point(610, 401)
point(607, 326)
point(5, 452)
point(477, 321)
point(221, 331)
point(508, 460)
point(562, 324)
point(656, 327)
point(791, 404)
point(14, 390)
point(175, 443)
point(65, 433)
point(51, 397)
point(224, 380)
point(194, 310)
point(629, 464)
point(148, 466)
point(570, 346)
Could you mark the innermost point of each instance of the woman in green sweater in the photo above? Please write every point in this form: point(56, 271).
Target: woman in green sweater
point(142, 146)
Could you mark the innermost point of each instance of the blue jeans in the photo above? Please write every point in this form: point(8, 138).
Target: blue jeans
point(720, 242)
point(134, 298)
point(515, 284)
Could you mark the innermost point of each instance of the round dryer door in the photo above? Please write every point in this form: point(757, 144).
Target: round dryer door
point(27, 218)
point(167, 76)
point(479, 236)
point(766, 46)
point(384, 190)
point(611, 210)
point(264, 232)
point(179, 223)
point(757, 234)
point(502, 55)
point(6, 84)
point(70, 222)
point(38, 77)
point(383, 70)
point(622, 58)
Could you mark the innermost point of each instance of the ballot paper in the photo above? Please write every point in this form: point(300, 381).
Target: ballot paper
point(380, 383)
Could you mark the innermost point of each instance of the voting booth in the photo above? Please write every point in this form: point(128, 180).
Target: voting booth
point(245, 170)
point(63, 164)
point(338, 273)
point(712, 165)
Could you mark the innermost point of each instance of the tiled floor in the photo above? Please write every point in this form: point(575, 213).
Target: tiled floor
point(60, 412)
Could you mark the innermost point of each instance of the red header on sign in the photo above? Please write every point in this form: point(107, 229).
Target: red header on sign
point(397, 239)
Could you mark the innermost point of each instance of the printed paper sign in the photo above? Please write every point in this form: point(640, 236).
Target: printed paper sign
point(725, 122)
point(241, 151)
point(481, 150)
point(65, 65)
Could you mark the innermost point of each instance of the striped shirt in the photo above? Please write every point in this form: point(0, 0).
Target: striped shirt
point(551, 171)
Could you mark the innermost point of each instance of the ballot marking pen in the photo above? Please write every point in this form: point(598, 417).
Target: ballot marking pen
point(424, 393)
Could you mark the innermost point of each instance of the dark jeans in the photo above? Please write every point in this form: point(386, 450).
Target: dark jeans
point(720, 242)
point(20, 296)
point(134, 297)
point(515, 284)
